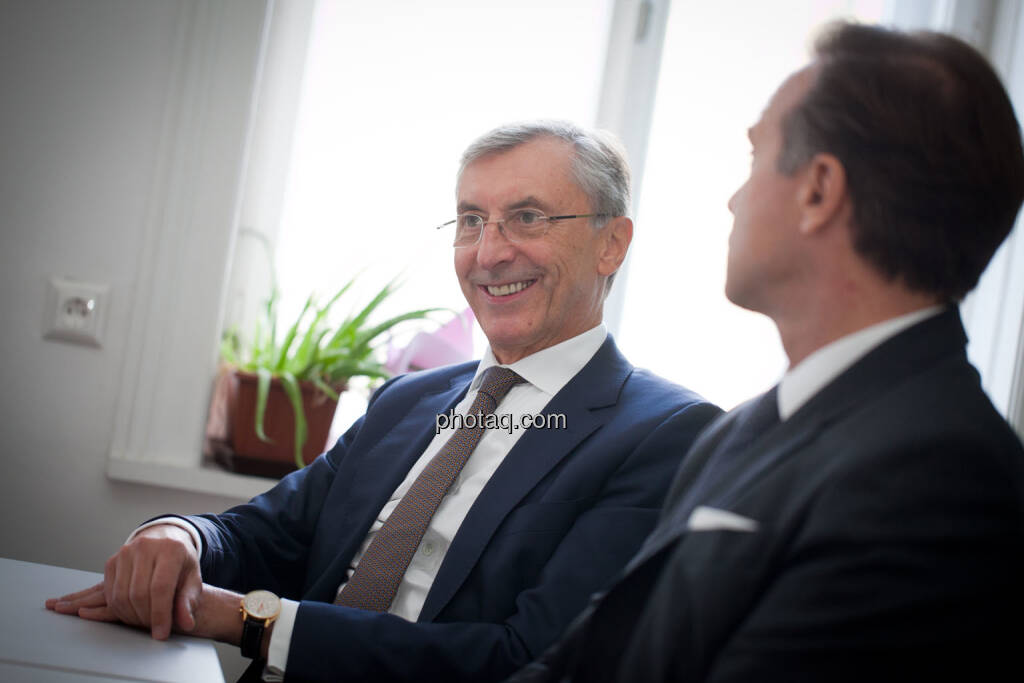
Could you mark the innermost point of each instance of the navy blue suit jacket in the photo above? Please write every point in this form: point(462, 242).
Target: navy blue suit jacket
point(560, 517)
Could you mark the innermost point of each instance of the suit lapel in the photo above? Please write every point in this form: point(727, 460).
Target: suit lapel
point(536, 453)
point(673, 517)
point(908, 353)
point(378, 474)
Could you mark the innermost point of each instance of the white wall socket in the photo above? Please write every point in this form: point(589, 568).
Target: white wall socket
point(75, 311)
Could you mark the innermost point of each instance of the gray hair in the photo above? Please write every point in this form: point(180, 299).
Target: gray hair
point(599, 164)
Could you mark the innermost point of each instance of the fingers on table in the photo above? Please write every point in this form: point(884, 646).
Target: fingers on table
point(101, 613)
point(70, 604)
point(126, 580)
point(167, 574)
point(147, 583)
point(117, 575)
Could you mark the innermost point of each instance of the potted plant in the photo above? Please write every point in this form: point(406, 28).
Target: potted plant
point(279, 394)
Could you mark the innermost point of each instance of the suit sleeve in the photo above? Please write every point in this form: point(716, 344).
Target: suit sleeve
point(263, 543)
point(339, 643)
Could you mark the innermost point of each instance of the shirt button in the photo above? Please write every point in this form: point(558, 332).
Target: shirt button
point(428, 548)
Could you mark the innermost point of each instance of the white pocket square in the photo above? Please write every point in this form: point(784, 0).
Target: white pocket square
point(704, 518)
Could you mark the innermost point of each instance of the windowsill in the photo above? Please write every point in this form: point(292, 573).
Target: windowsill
point(204, 478)
point(208, 477)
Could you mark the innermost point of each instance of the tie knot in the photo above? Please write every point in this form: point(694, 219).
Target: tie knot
point(765, 409)
point(497, 381)
point(760, 416)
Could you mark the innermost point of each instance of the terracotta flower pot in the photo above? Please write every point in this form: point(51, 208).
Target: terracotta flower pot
point(246, 452)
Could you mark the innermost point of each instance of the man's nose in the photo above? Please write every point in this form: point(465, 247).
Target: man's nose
point(494, 246)
point(732, 200)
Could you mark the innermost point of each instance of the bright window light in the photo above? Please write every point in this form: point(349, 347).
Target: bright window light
point(721, 63)
point(394, 90)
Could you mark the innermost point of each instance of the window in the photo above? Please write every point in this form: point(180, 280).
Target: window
point(392, 95)
point(387, 94)
point(394, 91)
point(717, 74)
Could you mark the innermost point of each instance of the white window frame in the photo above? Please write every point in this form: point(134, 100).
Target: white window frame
point(626, 107)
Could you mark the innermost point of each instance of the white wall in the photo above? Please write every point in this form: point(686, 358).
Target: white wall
point(84, 93)
point(86, 88)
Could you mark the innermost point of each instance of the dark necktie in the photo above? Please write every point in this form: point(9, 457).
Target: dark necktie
point(759, 417)
point(380, 570)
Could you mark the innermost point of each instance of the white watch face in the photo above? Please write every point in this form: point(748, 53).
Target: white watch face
point(262, 604)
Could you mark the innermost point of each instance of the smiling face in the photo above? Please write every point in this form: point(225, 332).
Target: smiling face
point(534, 294)
point(764, 246)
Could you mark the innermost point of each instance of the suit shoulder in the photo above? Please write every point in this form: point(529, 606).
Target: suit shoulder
point(656, 390)
point(943, 406)
point(938, 428)
point(428, 380)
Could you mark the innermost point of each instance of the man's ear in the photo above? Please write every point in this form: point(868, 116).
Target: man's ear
point(822, 194)
point(616, 236)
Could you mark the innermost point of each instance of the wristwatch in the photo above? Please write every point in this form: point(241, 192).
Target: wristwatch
point(259, 609)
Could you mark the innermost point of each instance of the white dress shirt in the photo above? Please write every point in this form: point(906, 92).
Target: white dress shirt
point(800, 384)
point(545, 372)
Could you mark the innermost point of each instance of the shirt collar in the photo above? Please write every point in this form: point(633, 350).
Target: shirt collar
point(801, 383)
point(551, 369)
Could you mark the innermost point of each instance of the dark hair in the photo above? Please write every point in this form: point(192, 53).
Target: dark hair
point(930, 145)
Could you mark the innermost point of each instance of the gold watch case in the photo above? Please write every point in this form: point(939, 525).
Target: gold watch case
point(261, 604)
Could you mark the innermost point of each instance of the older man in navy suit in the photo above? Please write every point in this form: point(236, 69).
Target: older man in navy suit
point(406, 554)
point(861, 521)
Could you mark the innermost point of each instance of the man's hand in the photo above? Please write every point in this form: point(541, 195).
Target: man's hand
point(152, 581)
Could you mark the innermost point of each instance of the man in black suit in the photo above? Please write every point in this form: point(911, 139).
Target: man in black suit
point(861, 521)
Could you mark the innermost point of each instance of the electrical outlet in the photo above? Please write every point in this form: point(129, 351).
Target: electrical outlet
point(75, 311)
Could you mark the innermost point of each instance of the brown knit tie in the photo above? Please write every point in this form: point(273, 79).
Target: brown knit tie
point(375, 581)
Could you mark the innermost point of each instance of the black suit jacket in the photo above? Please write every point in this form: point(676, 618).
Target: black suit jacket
point(876, 535)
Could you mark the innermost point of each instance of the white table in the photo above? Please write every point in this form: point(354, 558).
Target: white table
point(39, 645)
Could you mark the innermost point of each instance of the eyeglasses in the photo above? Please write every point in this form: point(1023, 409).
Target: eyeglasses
point(519, 226)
